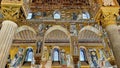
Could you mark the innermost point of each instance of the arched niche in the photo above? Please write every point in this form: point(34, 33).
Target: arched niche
point(25, 33)
point(54, 33)
point(57, 34)
point(56, 14)
point(89, 34)
point(85, 15)
point(24, 27)
point(29, 54)
point(56, 55)
point(83, 55)
point(90, 28)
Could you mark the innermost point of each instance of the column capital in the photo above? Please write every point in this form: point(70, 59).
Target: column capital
point(11, 9)
point(109, 15)
point(9, 22)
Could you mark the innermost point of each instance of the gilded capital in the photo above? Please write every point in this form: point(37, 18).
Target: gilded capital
point(10, 9)
point(109, 15)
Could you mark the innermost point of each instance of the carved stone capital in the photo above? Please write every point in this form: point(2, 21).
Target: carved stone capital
point(108, 19)
point(11, 9)
point(109, 15)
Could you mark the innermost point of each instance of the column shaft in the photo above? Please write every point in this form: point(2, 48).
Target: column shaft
point(6, 34)
point(114, 37)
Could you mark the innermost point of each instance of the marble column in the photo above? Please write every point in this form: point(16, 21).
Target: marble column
point(114, 37)
point(6, 37)
point(108, 21)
